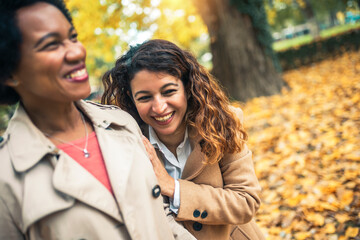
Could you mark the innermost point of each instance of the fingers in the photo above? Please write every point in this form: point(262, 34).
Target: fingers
point(148, 147)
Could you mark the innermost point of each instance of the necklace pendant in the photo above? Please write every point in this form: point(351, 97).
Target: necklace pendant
point(86, 153)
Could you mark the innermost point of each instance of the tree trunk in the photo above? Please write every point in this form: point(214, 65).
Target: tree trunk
point(239, 62)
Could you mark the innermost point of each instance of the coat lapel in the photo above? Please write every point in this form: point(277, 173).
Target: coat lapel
point(39, 196)
point(118, 159)
point(195, 162)
point(73, 180)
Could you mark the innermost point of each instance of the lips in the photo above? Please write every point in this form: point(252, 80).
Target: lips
point(164, 119)
point(78, 75)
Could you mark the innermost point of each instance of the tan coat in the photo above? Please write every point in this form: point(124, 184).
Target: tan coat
point(215, 198)
point(44, 194)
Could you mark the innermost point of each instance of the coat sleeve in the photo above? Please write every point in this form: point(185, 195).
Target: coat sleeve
point(178, 230)
point(234, 203)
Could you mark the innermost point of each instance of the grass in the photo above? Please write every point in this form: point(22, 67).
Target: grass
point(338, 29)
point(288, 43)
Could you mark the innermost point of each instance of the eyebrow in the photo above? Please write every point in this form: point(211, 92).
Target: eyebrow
point(49, 35)
point(165, 86)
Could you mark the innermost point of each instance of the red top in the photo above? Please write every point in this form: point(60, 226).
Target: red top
point(94, 164)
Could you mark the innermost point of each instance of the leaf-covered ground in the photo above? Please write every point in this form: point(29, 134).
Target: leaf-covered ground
point(306, 146)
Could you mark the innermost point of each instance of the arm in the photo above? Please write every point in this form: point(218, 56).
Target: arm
point(235, 203)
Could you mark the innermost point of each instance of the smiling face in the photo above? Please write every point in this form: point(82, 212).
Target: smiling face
point(52, 64)
point(161, 102)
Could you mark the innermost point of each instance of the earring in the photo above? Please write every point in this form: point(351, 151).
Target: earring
point(15, 82)
point(11, 82)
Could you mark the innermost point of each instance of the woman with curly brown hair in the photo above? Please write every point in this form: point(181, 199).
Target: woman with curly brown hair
point(196, 139)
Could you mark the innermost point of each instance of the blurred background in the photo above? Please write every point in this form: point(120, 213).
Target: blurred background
point(292, 65)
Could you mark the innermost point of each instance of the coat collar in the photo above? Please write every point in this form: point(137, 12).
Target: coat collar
point(195, 162)
point(22, 132)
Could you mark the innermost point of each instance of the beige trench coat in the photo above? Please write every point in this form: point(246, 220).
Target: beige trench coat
point(44, 194)
point(219, 201)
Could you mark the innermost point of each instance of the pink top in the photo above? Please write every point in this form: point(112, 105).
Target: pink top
point(94, 164)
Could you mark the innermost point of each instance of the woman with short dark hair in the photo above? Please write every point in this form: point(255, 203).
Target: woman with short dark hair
point(69, 169)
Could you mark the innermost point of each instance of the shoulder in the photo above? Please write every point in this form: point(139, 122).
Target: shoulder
point(238, 112)
point(110, 114)
point(115, 112)
point(7, 173)
point(4, 154)
point(101, 106)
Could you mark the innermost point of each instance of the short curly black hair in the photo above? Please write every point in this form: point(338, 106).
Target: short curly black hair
point(11, 40)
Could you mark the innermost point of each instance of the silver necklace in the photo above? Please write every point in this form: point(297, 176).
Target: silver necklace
point(84, 150)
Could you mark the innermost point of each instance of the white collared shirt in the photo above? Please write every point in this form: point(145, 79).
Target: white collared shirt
point(174, 166)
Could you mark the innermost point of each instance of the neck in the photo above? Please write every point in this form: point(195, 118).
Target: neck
point(174, 140)
point(58, 121)
point(54, 118)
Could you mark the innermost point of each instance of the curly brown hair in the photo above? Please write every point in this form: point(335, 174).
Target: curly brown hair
point(208, 109)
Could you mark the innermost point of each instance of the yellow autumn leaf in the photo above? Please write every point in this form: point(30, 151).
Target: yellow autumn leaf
point(315, 218)
point(352, 232)
point(346, 197)
point(341, 218)
point(329, 228)
point(302, 235)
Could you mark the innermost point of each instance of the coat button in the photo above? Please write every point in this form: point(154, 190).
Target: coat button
point(196, 213)
point(156, 191)
point(197, 226)
point(204, 214)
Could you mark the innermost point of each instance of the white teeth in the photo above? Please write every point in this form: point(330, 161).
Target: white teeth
point(165, 118)
point(76, 74)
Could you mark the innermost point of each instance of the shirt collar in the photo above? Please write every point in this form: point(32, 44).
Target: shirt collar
point(155, 141)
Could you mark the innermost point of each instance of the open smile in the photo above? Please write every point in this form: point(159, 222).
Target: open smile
point(164, 119)
point(78, 75)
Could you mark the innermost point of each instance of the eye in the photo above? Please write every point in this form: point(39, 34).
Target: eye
point(73, 37)
point(143, 98)
point(51, 45)
point(169, 92)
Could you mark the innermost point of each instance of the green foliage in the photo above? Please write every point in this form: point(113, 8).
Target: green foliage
point(301, 40)
point(280, 17)
point(256, 10)
point(5, 114)
point(285, 13)
point(320, 49)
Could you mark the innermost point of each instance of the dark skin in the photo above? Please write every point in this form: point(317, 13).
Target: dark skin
point(51, 75)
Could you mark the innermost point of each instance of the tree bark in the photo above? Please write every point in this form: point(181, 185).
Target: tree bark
point(239, 62)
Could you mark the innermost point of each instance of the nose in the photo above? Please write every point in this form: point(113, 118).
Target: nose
point(75, 52)
point(159, 105)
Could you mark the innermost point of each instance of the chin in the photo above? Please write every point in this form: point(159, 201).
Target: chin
point(86, 93)
point(163, 132)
